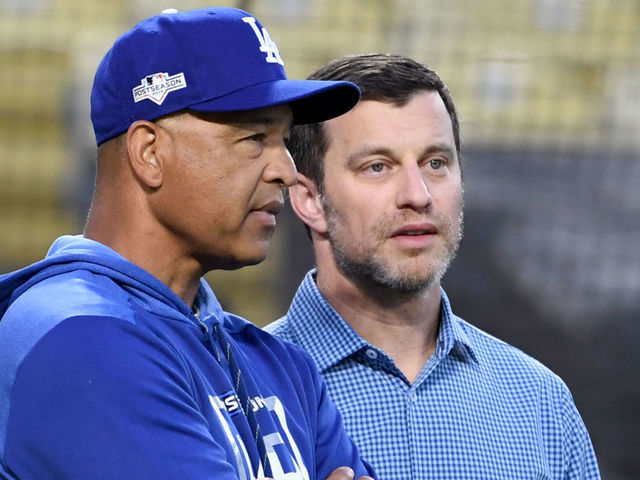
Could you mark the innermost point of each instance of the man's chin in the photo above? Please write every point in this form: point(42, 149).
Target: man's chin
point(409, 284)
point(235, 265)
point(408, 276)
point(237, 262)
point(385, 277)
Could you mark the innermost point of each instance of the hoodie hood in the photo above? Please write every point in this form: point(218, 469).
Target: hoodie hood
point(73, 253)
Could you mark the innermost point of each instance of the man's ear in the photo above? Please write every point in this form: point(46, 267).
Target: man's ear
point(306, 202)
point(142, 149)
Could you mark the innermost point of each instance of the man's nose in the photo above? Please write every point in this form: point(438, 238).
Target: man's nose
point(281, 168)
point(413, 191)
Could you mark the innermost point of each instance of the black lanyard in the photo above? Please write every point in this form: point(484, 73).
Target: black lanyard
point(240, 387)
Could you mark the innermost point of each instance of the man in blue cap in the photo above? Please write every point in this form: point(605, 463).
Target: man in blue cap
point(116, 359)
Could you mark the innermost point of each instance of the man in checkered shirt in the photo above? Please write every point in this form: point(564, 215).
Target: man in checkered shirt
point(423, 393)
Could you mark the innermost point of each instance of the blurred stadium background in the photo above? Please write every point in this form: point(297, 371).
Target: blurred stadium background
point(549, 97)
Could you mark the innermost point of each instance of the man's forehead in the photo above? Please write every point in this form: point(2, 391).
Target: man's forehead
point(425, 109)
point(278, 115)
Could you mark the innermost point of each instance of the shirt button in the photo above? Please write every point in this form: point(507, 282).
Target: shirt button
point(372, 354)
point(413, 396)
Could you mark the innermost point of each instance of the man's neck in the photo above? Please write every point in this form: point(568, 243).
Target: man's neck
point(403, 326)
point(153, 252)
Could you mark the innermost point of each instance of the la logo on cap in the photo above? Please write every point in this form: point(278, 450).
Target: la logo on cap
point(267, 45)
point(156, 86)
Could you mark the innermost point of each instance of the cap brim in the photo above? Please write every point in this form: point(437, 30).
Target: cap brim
point(310, 100)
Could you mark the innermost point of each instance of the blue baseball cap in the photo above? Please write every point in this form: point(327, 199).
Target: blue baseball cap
point(206, 60)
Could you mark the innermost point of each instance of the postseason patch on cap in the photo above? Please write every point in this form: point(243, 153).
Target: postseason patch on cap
point(156, 87)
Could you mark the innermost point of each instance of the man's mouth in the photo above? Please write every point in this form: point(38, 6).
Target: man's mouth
point(267, 212)
point(415, 230)
point(273, 207)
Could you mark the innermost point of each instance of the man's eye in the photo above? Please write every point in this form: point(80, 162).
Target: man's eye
point(436, 163)
point(258, 137)
point(377, 167)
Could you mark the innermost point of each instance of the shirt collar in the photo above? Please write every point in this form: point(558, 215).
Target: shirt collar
point(311, 317)
point(452, 335)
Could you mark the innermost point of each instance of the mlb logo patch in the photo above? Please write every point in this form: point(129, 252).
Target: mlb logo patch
point(156, 87)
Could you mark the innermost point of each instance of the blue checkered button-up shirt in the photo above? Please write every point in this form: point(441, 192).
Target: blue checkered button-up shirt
point(479, 409)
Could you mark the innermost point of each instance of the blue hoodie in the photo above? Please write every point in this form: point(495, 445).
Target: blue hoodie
point(105, 373)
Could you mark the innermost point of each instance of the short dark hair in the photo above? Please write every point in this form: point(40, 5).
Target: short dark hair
point(384, 77)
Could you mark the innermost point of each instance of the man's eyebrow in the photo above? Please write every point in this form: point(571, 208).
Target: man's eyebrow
point(267, 120)
point(368, 151)
point(439, 148)
point(264, 119)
